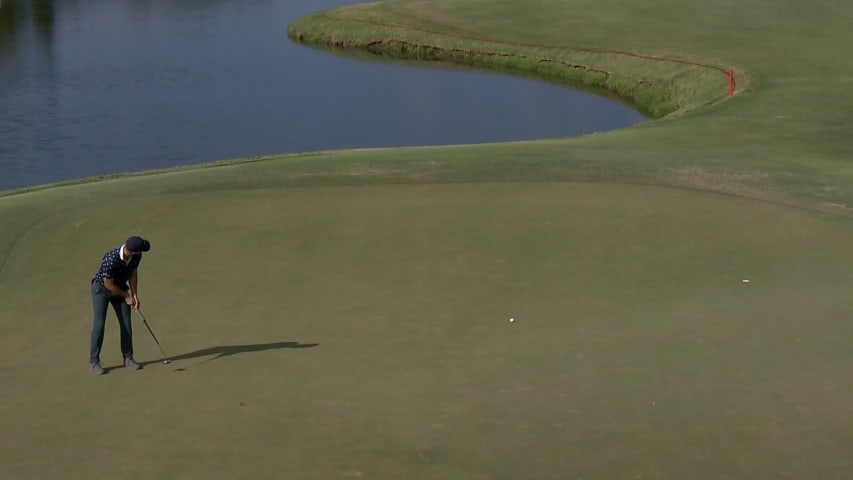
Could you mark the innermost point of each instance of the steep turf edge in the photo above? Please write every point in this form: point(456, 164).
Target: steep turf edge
point(658, 86)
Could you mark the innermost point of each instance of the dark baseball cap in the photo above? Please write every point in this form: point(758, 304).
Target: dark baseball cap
point(137, 244)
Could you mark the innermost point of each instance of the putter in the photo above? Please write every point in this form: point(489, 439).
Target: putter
point(165, 357)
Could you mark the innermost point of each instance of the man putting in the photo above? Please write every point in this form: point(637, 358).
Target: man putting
point(110, 287)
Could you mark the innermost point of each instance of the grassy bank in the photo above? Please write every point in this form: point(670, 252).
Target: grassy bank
point(781, 137)
point(657, 85)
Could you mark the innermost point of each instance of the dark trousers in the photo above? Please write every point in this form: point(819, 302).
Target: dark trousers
point(101, 298)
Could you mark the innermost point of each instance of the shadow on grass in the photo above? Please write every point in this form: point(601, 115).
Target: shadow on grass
point(226, 351)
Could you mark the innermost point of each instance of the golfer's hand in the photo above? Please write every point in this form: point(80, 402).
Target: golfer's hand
point(132, 300)
point(136, 303)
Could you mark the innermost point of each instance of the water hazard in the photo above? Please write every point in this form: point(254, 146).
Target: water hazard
point(93, 87)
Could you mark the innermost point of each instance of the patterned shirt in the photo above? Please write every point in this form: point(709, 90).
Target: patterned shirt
point(116, 267)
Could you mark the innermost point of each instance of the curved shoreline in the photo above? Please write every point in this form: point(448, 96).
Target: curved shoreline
point(777, 143)
point(586, 68)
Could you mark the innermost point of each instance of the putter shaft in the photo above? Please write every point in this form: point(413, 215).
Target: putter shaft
point(165, 357)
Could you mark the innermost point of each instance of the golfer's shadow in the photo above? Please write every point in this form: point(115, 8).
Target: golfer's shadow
point(228, 350)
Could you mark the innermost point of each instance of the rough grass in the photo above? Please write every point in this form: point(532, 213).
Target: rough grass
point(658, 86)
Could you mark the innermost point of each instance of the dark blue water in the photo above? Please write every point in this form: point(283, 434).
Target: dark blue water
point(91, 87)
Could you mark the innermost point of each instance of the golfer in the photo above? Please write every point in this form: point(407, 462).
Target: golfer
point(110, 287)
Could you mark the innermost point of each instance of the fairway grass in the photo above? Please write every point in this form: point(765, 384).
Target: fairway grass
point(680, 288)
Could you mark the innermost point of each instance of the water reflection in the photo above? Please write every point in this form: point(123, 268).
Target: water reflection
point(27, 39)
point(104, 86)
point(15, 14)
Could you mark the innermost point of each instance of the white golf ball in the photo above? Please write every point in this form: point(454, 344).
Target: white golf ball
point(511, 320)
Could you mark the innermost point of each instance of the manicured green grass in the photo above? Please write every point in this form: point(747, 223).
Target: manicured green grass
point(637, 347)
point(345, 314)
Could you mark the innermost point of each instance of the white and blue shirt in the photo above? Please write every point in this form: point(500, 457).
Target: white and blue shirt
point(115, 266)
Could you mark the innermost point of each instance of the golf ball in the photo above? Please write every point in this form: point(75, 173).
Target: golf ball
point(511, 320)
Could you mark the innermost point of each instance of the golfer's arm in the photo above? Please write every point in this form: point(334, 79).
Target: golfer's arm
point(111, 286)
point(134, 280)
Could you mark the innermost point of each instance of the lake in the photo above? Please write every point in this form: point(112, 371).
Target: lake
point(94, 87)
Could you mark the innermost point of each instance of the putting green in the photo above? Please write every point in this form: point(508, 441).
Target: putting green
point(335, 332)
